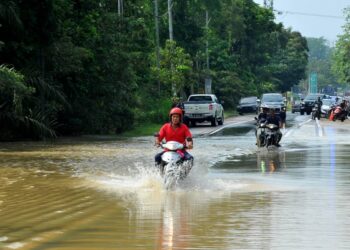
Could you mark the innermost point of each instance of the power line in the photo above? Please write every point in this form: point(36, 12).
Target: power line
point(280, 12)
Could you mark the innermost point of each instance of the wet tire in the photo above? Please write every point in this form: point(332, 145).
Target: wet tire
point(214, 122)
point(221, 121)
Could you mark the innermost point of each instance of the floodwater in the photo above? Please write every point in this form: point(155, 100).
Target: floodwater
point(105, 194)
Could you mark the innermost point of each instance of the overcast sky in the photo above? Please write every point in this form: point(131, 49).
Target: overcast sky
point(313, 18)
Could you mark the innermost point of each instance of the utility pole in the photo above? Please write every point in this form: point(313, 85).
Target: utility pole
point(170, 6)
point(207, 80)
point(171, 38)
point(268, 4)
point(207, 42)
point(156, 20)
point(120, 7)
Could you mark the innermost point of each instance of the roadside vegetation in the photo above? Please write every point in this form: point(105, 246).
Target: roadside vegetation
point(150, 128)
point(91, 67)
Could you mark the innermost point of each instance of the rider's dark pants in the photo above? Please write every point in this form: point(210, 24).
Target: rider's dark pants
point(158, 157)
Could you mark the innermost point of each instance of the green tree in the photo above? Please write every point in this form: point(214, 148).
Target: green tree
point(175, 67)
point(341, 59)
point(320, 61)
point(293, 62)
point(16, 119)
point(93, 69)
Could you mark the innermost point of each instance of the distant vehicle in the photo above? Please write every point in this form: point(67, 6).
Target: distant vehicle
point(296, 106)
point(326, 107)
point(309, 103)
point(247, 105)
point(203, 107)
point(273, 100)
point(336, 99)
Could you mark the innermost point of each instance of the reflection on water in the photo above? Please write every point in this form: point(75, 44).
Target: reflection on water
point(106, 194)
point(271, 161)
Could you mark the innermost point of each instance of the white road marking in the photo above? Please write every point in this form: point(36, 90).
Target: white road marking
point(319, 128)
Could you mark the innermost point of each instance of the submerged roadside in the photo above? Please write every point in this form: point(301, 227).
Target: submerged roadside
point(148, 129)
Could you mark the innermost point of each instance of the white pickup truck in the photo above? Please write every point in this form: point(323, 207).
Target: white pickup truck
point(203, 107)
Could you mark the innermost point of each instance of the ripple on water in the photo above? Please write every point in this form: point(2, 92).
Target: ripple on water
point(15, 245)
point(3, 238)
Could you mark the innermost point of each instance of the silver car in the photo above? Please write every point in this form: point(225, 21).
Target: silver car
point(326, 107)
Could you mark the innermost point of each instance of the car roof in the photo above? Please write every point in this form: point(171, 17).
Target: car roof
point(312, 96)
point(249, 97)
point(272, 94)
point(202, 95)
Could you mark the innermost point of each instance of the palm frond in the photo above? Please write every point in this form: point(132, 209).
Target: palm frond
point(40, 122)
point(41, 128)
point(9, 11)
point(48, 90)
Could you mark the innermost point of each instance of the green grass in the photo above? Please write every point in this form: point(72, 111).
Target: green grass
point(143, 130)
point(230, 113)
point(148, 129)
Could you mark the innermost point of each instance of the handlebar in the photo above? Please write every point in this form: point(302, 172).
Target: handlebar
point(161, 145)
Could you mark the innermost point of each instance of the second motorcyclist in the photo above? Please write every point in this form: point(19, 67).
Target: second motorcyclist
point(262, 117)
point(319, 106)
point(275, 119)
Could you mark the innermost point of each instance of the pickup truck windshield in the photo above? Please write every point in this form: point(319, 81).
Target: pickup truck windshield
point(200, 99)
point(272, 98)
point(312, 97)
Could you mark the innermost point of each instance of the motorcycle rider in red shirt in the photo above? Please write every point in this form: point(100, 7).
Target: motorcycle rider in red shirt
point(175, 130)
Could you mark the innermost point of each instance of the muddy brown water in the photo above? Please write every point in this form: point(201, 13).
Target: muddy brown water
point(106, 194)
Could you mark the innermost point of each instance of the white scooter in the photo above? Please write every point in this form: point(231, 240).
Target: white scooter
point(173, 166)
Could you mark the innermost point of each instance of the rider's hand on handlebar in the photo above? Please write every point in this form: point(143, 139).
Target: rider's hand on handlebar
point(157, 143)
point(189, 145)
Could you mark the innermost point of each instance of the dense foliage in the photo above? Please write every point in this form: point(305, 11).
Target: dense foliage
point(320, 61)
point(341, 65)
point(72, 67)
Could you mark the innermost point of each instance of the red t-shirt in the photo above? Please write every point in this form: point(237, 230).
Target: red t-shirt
point(178, 134)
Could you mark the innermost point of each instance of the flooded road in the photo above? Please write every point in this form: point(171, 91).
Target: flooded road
point(106, 194)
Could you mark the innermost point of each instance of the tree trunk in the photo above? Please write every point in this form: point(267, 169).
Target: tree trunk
point(156, 20)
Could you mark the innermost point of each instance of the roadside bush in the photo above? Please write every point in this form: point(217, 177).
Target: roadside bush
point(155, 111)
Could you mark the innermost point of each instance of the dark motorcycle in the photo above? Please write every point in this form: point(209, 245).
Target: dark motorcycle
point(316, 112)
point(266, 134)
point(271, 136)
point(338, 113)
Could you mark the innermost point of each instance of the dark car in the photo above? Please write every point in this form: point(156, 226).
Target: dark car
point(247, 105)
point(296, 106)
point(274, 101)
point(309, 103)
